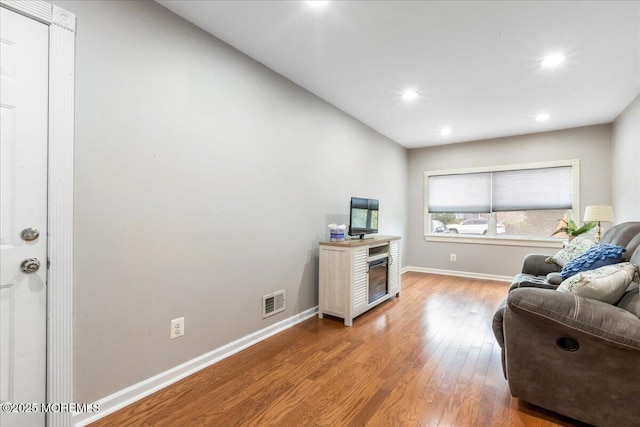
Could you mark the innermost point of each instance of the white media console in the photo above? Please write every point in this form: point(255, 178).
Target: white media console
point(356, 275)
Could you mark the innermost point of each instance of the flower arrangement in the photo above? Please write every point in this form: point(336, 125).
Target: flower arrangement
point(570, 227)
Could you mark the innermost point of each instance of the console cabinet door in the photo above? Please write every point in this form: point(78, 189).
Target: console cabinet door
point(335, 270)
point(360, 281)
point(394, 268)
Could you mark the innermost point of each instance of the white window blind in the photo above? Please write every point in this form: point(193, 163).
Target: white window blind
point(464, 193)
point(510, 190)
point(532, 189)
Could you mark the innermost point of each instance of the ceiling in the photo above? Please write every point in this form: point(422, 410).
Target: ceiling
point(475, 65)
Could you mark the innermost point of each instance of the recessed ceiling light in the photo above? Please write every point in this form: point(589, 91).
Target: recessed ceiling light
point(317, 3)
point(542, 117)
point(445, 131)
point(409, 95)
point(552, 60)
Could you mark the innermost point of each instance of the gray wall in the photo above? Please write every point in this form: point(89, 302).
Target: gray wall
point(589, 144)
point(626, 164)
point(203, 181)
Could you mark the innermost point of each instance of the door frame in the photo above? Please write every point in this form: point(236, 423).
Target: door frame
point(62, 28)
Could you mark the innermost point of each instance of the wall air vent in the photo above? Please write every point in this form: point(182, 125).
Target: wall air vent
point(273, 303)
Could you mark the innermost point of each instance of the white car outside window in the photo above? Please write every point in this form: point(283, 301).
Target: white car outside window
point(475, 226)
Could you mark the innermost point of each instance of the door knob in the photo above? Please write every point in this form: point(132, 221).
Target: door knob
point(29, 234)
point(30, 265)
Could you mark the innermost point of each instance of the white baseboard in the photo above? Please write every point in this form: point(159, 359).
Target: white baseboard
point(144, 388)
point(459, 273)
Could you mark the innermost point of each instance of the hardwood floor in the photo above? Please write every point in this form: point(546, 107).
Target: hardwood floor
point(428, 358)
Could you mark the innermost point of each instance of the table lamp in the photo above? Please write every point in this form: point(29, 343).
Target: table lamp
point(598, 213)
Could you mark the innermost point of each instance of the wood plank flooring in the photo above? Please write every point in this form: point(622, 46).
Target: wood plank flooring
point(428, 358)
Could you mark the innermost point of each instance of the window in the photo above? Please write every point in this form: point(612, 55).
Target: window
point(517, 202)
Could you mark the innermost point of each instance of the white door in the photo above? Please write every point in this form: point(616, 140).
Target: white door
point(23, 217)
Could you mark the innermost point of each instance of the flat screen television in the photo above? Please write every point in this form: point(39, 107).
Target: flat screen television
point(363, 217)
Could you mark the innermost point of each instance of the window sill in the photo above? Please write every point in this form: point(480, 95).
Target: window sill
point(502, 241)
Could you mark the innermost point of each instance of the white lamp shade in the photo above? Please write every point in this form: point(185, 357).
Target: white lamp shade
point(598, 213)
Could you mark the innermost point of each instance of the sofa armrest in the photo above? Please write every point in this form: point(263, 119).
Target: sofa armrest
point(535, 265)
point(595, 318)
point(572, 355)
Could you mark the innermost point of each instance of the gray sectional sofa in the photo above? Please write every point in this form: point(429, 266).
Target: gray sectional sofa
point(573, 355)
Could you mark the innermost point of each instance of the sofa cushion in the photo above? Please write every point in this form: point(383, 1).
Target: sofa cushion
point(607, 284)
point(529, 281)
point(595, 257)
point(621, 234)
point(633, 251)
point(576, 247)
point(630, 301)
point(554, 278)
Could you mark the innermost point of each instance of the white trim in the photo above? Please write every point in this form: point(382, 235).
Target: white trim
point(60, 279)
point(500, 168)
point(467, 274)
point(63, 18)
point(38, 10)
point(144, 388)
point(60, 199)
point(503, 241)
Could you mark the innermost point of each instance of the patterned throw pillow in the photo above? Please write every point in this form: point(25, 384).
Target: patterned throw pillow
point(606, 284)
point(576, 247)
point(595, 257)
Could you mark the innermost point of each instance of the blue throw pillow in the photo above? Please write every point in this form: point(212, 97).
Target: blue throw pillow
point(595, 257)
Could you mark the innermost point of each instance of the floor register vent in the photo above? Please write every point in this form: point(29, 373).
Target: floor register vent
point(273, 303)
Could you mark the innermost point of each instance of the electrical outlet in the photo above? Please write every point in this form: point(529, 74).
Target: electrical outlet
point(452, 257)
point(177, 327)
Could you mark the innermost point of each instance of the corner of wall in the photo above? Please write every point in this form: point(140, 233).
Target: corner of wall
point(625, 158)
